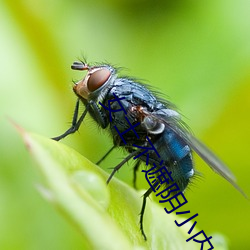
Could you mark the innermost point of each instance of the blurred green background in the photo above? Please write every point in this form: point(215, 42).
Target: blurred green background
point(195, 52)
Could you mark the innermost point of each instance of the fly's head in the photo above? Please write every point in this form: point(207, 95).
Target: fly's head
point(95, 80)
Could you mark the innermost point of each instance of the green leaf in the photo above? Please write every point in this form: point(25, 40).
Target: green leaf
point(106, 215)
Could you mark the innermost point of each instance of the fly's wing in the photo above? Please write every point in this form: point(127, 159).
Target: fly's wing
point(212, 160)
point(174, 123)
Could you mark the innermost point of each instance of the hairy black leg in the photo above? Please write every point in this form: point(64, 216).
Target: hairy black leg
point(75, 124)
point(136, 167)
point(145, 196)
point(99, 116)
point(116, 168)
point(105, 155)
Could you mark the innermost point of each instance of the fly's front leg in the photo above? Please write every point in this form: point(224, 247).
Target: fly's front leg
point(75, 123)
point(100, 117)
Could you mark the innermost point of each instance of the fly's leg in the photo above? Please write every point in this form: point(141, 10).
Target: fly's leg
point(116, 168)
point(99, 116)
point(136, 167)
point(75, 124)
point(145, 196)
point(105, 155)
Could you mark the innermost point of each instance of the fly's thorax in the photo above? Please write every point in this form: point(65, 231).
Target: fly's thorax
point(92, 86)
point(152, 125)
point(154, 122)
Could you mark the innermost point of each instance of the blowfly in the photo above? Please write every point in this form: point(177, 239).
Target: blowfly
point(138, 120)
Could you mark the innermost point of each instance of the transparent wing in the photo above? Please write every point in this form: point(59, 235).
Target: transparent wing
point(212, 160)
point(175, 124)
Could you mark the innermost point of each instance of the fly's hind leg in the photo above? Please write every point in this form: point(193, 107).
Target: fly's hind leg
point(144, 201)
point(136, 167)
point(105, 155)
point(116, 168)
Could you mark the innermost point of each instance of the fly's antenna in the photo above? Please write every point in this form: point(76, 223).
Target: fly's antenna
point(80, 66)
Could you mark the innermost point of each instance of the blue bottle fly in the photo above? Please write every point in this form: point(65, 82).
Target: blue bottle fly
point(121, 104)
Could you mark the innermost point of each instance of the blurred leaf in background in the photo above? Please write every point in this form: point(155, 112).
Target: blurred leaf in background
point(196, 53)
point(106, 216)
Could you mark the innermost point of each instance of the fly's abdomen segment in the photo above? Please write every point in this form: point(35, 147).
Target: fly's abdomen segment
point(176, 156)
point(181, 162)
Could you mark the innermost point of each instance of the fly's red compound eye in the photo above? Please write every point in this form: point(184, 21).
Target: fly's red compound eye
point(97, 79)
